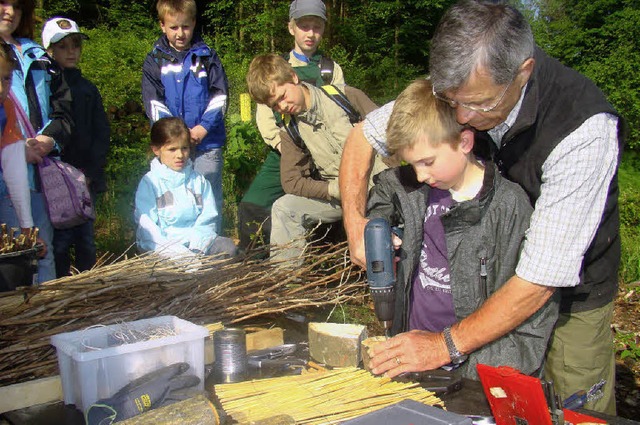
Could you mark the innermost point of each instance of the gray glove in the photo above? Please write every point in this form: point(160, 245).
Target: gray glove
point(158, 388)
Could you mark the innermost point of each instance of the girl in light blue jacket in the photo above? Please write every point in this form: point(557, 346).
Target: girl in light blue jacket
point(174, 207)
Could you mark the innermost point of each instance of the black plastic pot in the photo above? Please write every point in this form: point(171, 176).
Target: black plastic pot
point(18, 268)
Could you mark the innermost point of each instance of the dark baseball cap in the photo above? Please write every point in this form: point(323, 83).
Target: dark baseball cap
point(300, 8)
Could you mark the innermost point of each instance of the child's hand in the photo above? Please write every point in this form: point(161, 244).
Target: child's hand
point(197, 134)
point(38, 148)
point(42, 252)
point(33, 157)
point(44, 146)
point(396, 241)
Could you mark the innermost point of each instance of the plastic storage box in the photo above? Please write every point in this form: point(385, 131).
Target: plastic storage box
point(96, 362)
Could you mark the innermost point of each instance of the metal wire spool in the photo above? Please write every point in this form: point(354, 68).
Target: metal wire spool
point(230, 350)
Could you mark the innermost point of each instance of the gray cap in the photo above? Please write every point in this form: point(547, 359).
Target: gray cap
point(300, 8)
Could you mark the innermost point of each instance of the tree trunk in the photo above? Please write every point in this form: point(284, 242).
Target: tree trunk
point(194, 411)
point(241, 27)
point(396, 45)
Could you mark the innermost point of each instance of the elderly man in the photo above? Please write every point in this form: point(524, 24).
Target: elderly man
point(552, 131)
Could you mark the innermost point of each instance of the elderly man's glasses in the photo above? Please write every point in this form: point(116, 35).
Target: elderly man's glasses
point(471, 107)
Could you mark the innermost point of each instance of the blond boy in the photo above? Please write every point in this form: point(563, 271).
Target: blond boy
point(463, 228)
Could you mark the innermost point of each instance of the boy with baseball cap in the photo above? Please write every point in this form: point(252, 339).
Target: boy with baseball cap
point(307, 19)
point(89, 143)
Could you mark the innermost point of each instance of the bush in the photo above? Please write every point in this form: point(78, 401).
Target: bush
point(629, 177)
point(244, 153)
point(113, 59)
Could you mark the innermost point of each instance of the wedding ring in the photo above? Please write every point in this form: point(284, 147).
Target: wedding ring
point(397, 360)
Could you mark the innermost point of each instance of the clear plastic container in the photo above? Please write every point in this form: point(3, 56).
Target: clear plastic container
point(96, 362)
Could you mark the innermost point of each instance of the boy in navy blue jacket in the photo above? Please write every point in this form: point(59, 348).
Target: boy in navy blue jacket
point(183, 77)
point(88, 144)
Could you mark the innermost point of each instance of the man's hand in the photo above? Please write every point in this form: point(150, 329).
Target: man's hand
point(197, 134)
point(413, 351)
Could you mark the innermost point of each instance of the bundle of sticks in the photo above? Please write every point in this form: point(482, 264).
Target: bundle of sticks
point(204, 290)
point(317, 398)
point(11, 240)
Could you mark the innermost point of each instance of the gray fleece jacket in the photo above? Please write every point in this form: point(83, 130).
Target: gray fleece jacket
point(490, 229)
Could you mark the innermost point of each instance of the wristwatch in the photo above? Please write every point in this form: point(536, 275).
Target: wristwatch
point(456, 356)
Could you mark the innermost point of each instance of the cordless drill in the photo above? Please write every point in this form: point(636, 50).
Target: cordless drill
point(380, 270)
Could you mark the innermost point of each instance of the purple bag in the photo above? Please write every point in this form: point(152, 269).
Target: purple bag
point(64, 187)
point(66, 193)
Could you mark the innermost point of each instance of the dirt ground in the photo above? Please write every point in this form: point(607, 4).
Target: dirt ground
point(626, 320)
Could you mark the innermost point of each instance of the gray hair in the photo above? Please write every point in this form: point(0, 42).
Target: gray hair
point(476, 33)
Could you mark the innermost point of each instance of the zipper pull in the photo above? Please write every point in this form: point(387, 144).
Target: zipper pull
point(483, 278)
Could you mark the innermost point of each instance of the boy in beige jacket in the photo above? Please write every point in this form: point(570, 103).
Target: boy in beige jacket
point(309, 171)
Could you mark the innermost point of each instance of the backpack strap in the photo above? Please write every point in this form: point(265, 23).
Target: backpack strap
point(21, 116)
point(326, 69)
point(342, 101)
point(291, 125)
point(161, 57)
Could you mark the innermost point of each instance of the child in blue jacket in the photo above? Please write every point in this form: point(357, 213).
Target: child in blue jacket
point(174, 205)
point(44, 95)
point(183, 77)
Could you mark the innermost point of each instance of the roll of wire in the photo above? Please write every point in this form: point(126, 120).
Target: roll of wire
point(230, 350)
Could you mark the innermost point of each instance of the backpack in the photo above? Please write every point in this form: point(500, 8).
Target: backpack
point(325, 64)
point(66, 194)
point(340, 99)
point(65, 188)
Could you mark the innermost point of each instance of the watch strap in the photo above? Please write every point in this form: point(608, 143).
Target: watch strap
point(456, 356)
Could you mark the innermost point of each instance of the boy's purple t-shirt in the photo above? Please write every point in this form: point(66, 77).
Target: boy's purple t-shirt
point(431, 305)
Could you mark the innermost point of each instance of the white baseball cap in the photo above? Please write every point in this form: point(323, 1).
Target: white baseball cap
point(58, 28)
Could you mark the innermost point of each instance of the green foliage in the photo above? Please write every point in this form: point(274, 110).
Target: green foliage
point(244, 153)
point(66, 8)
point(125, 14)
point(629, 180)
point(258, 26)
point(113, 59)
point(351, 313)
point(236, 65)
point(374, 81)
point(628, 345)
point(600, 38)
point(128, 161)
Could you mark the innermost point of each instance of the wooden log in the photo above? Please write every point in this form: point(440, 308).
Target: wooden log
point(27, 394)
point(194, 411)
point(265, 338)
point(336, 344)
point(368, 344)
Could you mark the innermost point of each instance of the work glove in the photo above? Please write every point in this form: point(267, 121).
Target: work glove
point(158, 388)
